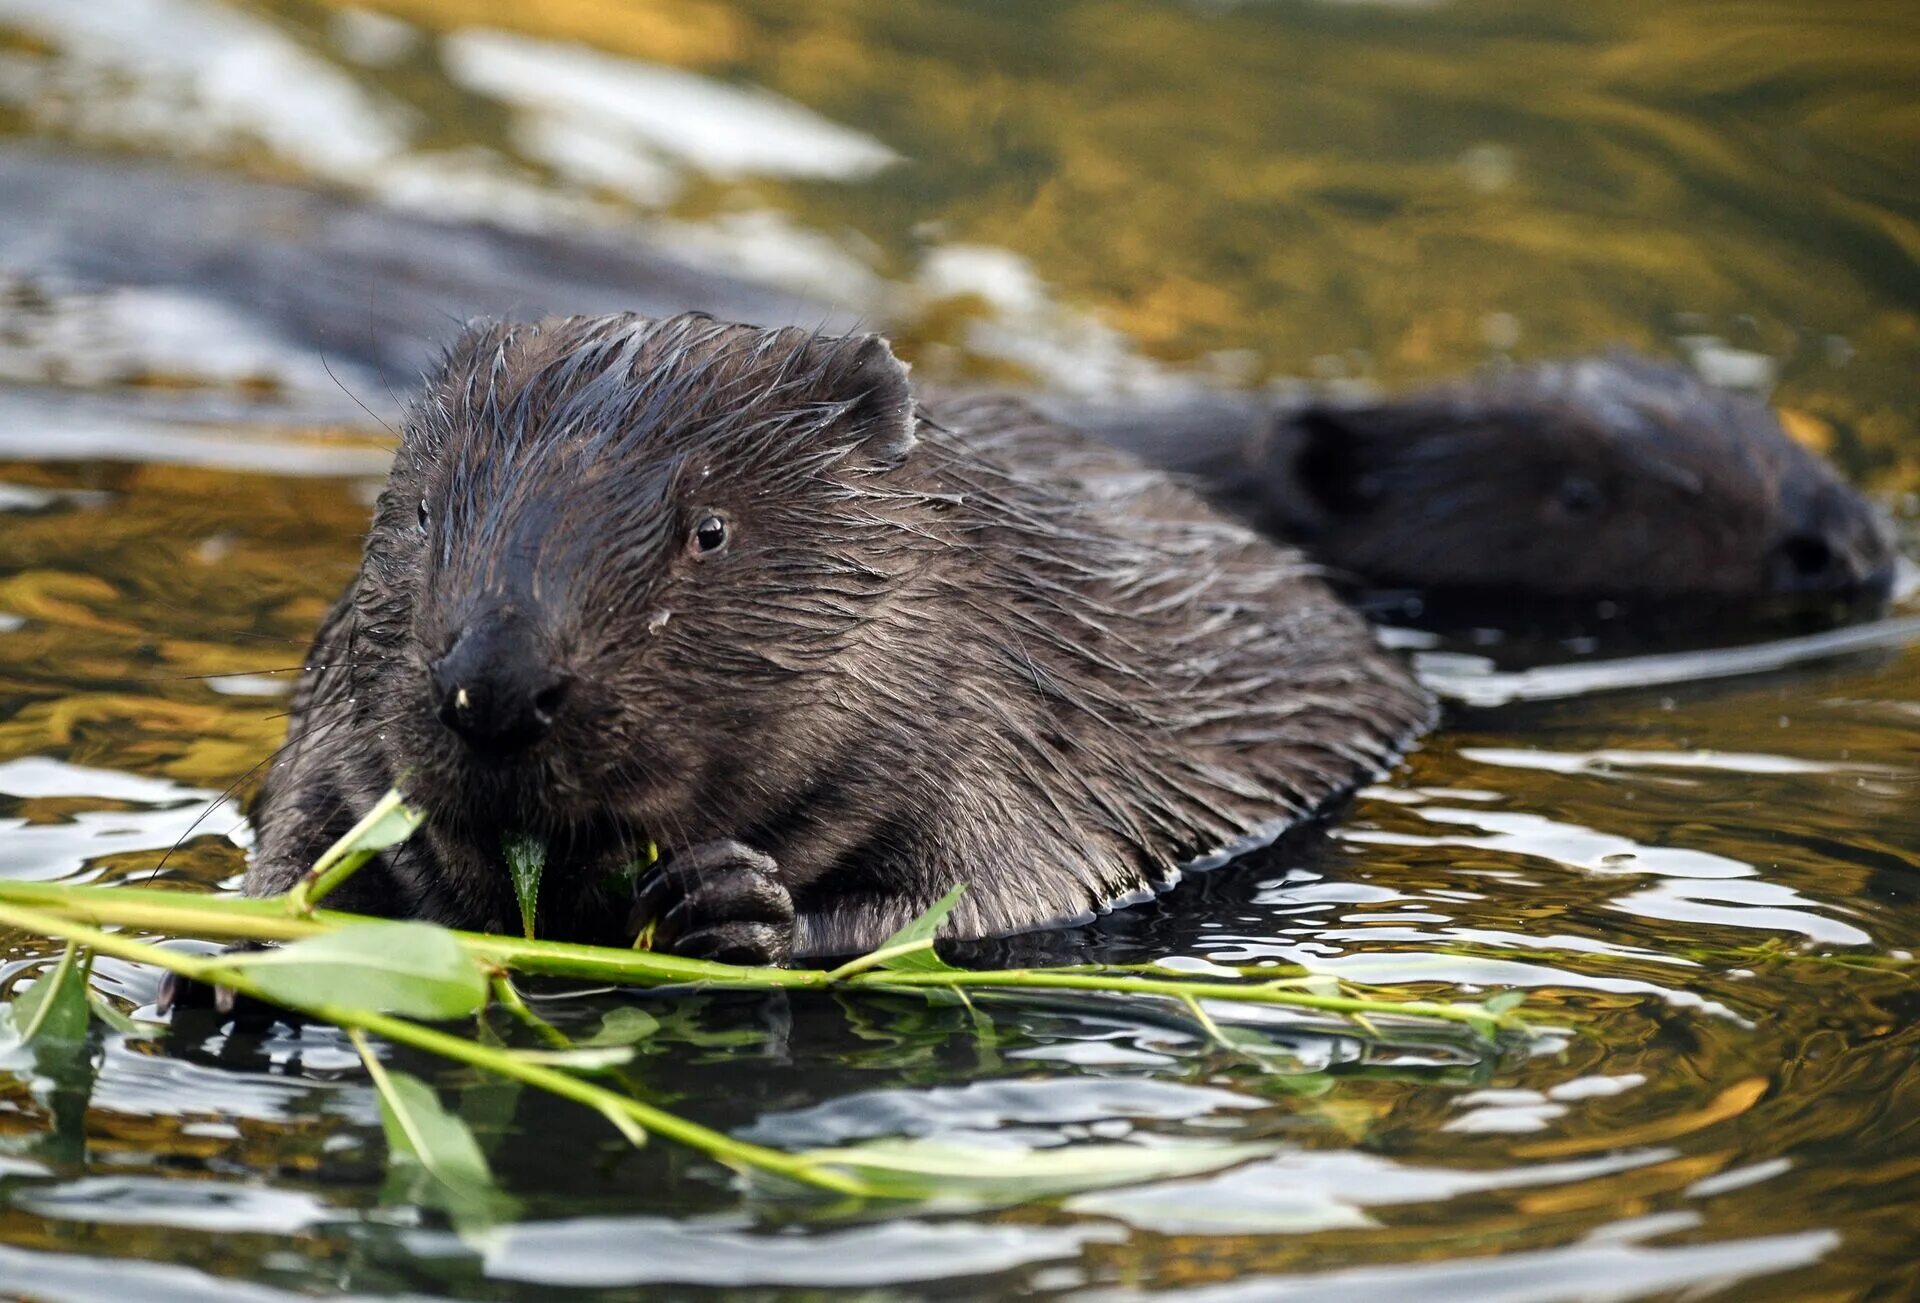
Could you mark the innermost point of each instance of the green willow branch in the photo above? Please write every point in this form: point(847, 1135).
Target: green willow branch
point(740, 1155)
point(224, 918)
point(390, 822)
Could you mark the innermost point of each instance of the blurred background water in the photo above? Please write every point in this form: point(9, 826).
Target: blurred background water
point(230, 232)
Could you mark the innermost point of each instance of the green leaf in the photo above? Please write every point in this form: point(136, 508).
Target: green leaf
point(421, 1131)
point(390, 822)
point(623, 1026)
point(111, 1017)
point(526, 859)
point(1311, 984)
point(487, 1105)
point(915, 940)
point(415, 969)
point(1504, 1002)
point(976, 1175)
point(433, 1158)
point(54, 1009)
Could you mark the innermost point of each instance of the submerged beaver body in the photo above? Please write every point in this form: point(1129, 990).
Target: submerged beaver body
point(729, 591)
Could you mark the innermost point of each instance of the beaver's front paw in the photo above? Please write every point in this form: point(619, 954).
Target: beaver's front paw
point(184, 995)
point(719, 900)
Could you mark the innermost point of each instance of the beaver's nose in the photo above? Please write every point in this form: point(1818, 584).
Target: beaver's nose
point(1836, 548)
point(496, 688)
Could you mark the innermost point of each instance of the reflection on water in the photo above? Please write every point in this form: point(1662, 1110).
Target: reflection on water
point(578, 104)
point(1464, 677)
point(1278, 189)
point(1699, 866)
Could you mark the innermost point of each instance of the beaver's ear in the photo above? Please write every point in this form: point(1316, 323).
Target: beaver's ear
point(861, 372)
point(470, 364)
point(476, 347)
point(457, 381)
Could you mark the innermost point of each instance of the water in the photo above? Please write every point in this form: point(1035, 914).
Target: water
point(1706, 875)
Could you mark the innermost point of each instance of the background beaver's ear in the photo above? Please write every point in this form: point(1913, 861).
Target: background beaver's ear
point(862, 372)
point(1340, 456)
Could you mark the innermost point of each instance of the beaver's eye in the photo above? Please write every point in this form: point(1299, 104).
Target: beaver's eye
point(709, 536)
point(423, 517)
point(1577, 496)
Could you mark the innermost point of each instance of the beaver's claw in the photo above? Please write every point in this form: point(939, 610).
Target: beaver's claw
point(186, 995)
point(719, 900)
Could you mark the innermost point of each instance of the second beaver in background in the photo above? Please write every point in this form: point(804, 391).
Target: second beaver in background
point(731, 591)
point(1611, 477)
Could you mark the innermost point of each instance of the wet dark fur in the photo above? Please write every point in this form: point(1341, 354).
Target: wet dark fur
point(1605, 477)
point(959, 646)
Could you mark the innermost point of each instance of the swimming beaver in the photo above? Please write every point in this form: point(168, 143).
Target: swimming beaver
point(1604, 477)
point(730, 590)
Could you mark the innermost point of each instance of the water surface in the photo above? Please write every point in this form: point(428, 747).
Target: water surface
point(1709, 880)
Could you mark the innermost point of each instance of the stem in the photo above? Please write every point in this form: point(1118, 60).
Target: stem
point(878, 958)
point(167, 911)
point(375, 832)
point(1205, 1019)
point(235, 918)
point(108, 943)
point(510, 999)
point(174, 919)
point(1028, 979)
point(736, 1154)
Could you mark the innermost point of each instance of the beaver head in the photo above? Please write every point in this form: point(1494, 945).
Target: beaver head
point(1604, 477)
point(624, 537)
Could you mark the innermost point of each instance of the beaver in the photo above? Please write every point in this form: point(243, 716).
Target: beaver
point(737, 593)
point(1612, 477)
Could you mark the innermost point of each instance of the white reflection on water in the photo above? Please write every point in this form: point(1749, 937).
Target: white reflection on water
point(1066, 349)
point(969, 1112)
point(43, 850)
point(613, 1251)
point(1309, 1190)
point(1538, 837)
point(228, 1207)
point(58, 851)
point(1409, 967)
point(1474, 681)
point(1747, 903)
point(183, 73)
point(41, 776)
point(39, 427)
point(74, 338)
point(723, 130)
point(1592, 1271)
point(595, 154)
point(1606, 761)
point(76, 1278)
point(607, 137)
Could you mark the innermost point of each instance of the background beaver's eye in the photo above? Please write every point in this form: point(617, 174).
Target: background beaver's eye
point(423, 516)
point(1577, 496)
point(709, 536)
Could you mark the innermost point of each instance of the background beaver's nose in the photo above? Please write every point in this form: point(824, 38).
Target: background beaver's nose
point(1835, 550)
point(496, 688)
